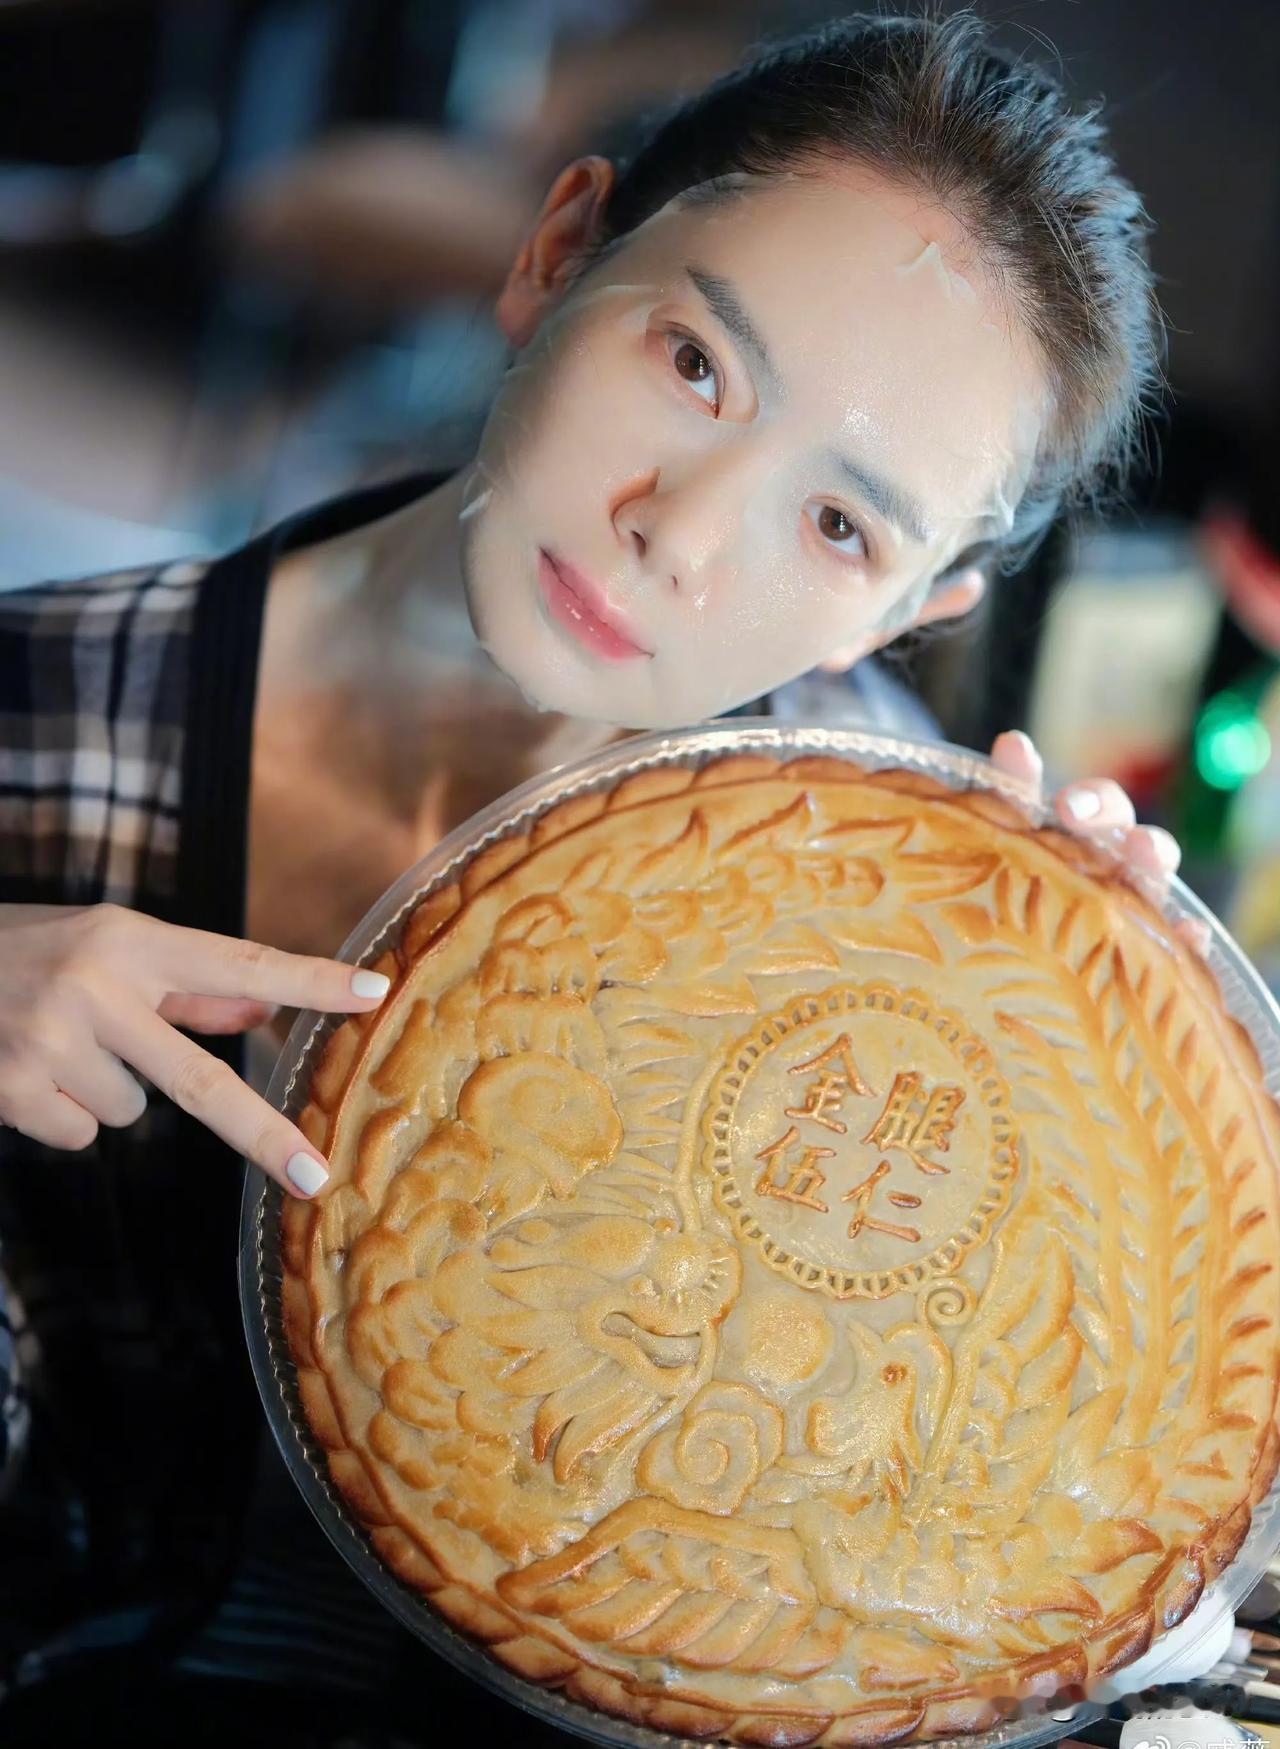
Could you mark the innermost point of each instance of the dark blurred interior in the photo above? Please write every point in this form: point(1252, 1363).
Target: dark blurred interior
point(247, 254)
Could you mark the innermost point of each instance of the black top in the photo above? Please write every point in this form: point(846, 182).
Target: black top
point(226, 633)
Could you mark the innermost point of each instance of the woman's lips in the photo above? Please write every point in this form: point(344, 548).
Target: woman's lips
point(575, 603)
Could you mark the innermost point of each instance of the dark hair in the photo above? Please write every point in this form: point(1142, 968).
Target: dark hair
point(930, 102)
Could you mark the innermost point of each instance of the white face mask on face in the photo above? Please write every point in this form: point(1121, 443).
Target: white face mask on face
point(748, 437)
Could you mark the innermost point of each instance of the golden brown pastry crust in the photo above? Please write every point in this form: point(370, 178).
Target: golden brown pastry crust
point(955, 1389)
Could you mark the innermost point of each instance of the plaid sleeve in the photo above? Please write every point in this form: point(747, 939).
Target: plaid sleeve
point(93, 681)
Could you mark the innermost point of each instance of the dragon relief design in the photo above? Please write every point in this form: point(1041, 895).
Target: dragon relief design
point(621, 1361)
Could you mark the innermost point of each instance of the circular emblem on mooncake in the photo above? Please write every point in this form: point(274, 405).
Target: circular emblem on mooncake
point(862, 1140)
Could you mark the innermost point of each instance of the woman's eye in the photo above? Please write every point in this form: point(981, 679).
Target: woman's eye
point(835, 526)
point(695, 368)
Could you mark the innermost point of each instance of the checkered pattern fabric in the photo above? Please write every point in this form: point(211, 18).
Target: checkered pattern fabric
point(93, 678)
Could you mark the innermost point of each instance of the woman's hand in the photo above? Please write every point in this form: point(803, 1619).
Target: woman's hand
point(83, 993)
point(1096, 806)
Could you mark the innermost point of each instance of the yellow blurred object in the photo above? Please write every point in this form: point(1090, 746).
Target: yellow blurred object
point(1125, 644)
point(1270, 1734)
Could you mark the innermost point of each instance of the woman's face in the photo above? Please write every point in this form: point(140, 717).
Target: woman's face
point(742, 441)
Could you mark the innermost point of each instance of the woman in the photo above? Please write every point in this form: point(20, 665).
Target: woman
point(854, 324)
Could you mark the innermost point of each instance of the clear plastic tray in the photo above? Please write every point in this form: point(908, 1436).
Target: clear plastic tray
point(1243, 991)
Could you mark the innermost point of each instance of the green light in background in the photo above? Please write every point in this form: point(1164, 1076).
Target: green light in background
point(1231, 744)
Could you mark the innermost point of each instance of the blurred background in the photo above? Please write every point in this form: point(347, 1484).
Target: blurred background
point(248, 250)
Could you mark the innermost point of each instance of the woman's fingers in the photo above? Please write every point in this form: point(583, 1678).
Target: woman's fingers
point(104, 1087)
point(1015, 754)
point(40, 1110)
point(1097, 806)
point(79, 995)
point(194, 962)
point(1153, 850)
point(1101, 807)
point(216, 1014)
point(216, 1096)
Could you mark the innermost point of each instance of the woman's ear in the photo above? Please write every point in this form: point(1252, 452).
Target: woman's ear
point(958, 596)
point(563, 232)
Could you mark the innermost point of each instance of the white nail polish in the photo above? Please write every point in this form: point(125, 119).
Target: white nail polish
point(1085, 804)
point(371, 984)
point(306, 1174)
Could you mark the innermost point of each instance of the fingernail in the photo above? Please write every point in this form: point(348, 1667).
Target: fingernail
point(1084, 804)
point(306, 1174)
point(1167, 849)
point(1024, 741)
point(370, 984)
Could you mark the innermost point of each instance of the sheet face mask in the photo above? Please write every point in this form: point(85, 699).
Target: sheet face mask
point(952, 283)
point(709, 518)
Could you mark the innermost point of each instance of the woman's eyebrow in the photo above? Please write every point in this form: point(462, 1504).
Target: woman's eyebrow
point(889, 500)
point(724, 303)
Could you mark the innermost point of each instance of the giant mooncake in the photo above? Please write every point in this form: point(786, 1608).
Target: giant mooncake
point(800, 1262)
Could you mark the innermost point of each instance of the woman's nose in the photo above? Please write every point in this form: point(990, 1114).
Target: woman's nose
point(679, 529)
point(638, 518)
